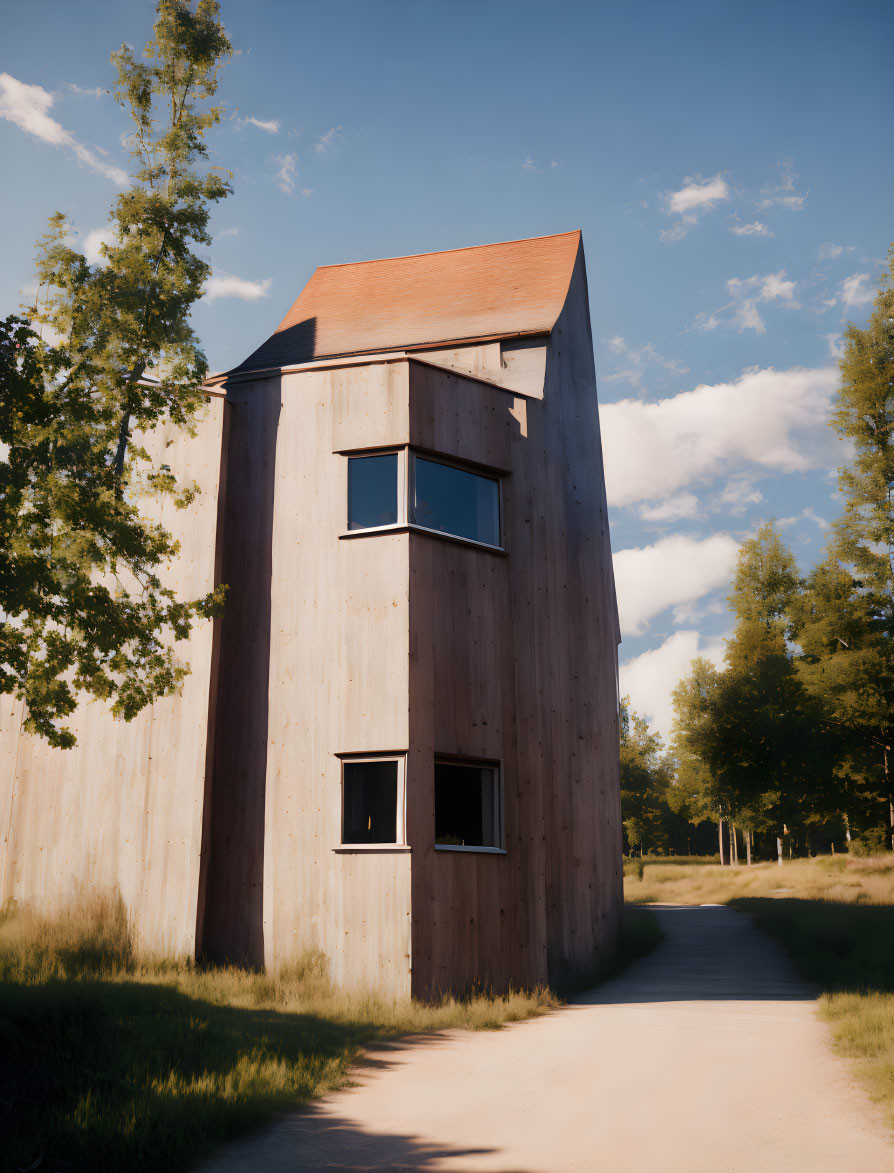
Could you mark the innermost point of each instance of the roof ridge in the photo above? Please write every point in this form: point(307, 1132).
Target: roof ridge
point(439, 252)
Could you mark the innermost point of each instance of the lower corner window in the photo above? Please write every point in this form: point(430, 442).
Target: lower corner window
point(468, 810)
point(372, 801)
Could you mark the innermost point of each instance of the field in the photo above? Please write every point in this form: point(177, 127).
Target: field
point(835, 917)
point(108, 1062)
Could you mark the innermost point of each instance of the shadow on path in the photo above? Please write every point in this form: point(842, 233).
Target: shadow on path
point(708, 953)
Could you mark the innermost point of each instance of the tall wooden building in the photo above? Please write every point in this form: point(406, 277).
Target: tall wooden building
point(400, 743)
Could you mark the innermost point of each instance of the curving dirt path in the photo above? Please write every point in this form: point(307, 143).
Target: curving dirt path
point(705, 1056)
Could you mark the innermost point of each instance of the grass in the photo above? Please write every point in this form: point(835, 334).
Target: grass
point(110, 1062)
point(835, 917)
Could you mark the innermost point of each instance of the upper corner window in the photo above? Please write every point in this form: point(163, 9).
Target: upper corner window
point(372, 491)
point(454, 501)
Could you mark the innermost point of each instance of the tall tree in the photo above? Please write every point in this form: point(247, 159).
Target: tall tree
point(845, 620)
point(83, 604)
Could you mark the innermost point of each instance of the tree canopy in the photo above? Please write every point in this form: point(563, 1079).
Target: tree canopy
point(105, 355)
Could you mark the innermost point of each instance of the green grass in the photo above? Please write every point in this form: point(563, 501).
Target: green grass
point(110, 1062)
point(835, 917)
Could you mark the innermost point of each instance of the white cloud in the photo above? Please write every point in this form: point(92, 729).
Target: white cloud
point(675, 570)
point(325, 141)
point(835, 344)
point(307, 192)
point(650, 678)
point(855, 291)
point(692, 200)
point(806, 514)
point(755, 228)
point(783, 194)
point(738, 494)
point(287, 172)
point(223, 285)
point(697, 195)
point(228, 232)
point(92, 242)
point(270, 127)
point(682, 505)
point(27, 106)
point(769, 419)
point(529, 164)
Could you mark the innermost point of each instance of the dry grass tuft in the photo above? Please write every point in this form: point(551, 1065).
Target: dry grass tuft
point(113, 1061)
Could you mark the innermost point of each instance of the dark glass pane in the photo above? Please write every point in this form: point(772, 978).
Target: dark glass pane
point(454, 501)
point(370, 802)
point(372, 491)
point(464, 806)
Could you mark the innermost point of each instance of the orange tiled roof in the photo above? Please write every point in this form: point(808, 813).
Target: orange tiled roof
point(492, 291)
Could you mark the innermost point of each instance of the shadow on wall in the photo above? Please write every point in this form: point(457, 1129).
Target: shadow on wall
point(231, 928)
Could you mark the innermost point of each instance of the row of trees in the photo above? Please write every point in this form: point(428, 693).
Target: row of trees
point(792, 740)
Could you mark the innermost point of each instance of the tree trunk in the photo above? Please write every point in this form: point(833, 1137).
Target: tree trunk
point(748, 847)
point(890, 800)
point(733, 845)
point(720, 838)
point(779, 850)
point(847, 827)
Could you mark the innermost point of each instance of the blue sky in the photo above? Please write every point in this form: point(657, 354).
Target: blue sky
point(730, 165)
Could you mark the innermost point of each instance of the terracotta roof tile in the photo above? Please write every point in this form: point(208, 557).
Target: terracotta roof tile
point(494, 290)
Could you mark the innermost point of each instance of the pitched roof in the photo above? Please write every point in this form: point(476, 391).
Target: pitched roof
point(468, 294)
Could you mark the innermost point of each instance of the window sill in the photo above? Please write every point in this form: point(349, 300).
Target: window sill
point(374, 848)
point(431, 533)
point(477, 850)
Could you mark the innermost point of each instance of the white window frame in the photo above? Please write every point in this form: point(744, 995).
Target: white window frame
point(406, 463)
point(356, 759)
point(402, 493)
point(460, 467)
point(499, 803)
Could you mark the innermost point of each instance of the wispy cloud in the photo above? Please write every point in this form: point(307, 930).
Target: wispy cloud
point(225, 285)
point(325, 141)
point(691, 202)
point(746, 293)
point(228, 232)
point(269, 127)
point(831, 252)
point(98, 92)
point(27, 107)
point(755, 228)
point(286, 172)
point(855, 290)
point(637, 361)
point(783, 194)
point(679, 507)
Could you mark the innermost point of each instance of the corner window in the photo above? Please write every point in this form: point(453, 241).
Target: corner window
point(372, 491)
point(468, 806)
point(453, 501)
point(404, 488)
point(372, 801)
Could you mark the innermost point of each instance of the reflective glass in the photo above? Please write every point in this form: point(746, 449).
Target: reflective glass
point(372, 491)
point(454, 501)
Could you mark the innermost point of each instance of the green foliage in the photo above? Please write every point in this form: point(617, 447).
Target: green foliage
point(84, 608)
point(646, 773)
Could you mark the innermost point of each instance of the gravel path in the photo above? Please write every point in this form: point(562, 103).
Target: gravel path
point(705, 1056)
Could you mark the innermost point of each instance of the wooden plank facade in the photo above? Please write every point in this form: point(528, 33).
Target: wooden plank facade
point(397, 641)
